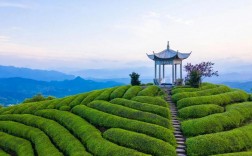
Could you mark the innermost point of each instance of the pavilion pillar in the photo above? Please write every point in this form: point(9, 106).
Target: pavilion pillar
point(172, 72)
point(163, 71)
point(175, 72)
point(155, 69)
point(159, 73)
point(181, 70)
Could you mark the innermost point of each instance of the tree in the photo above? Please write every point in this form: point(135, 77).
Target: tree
point(196, 73)
point(135, 79)
point(38, 97)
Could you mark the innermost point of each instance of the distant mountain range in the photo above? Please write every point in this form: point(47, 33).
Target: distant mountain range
point(247, 86)
point(15, 90)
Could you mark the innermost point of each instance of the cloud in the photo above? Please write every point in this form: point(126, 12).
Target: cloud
point(179, 20)
point(4, 39)
point(13, 5)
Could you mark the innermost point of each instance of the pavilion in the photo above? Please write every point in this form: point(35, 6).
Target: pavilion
point(168, 57)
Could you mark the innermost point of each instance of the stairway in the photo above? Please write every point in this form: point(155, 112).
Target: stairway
point(181, 147)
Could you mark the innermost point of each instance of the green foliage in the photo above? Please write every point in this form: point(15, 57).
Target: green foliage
point(220, 99)
point(234, 116)
point(207, 92)
point(112, 121)
point(41, 141)
point(65, 108)
point(223, 142)
point(250, 97)
point(199, 111)
point(151, 100)
point(106, 94)
point(140, 142)
point(132, 92)
point(119, 92)
point(65, 102)
point(130, 113)
point(91, 96)
point(189, 89)
point(194, 79)
point(38, 97)
point(3, 153)
point(20, 146)
point(247, 153)
point(162, 111)
point(78, 99)
point(87, 133)
point(135, 79)
point(58, 134)
point(149, 91)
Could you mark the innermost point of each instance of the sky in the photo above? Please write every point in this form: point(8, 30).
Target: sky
point(83, 34)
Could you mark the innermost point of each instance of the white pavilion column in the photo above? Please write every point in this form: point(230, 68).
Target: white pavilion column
point(163, 71)
point(155, 69)
point(181, 70)
point(159, 73)
point(172, 72)
point(175, 72)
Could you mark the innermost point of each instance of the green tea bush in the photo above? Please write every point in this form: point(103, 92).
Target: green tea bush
point(199, 111)
point(132, 92)
point(65, 108)
point(78, 99)
point(112, 121)
point(149, 91)
point(87, 133)
point(223, 142)
point(189, 89)
point(119, 92)
point(140, 142)
point(41, 141)
point(20, 146)
point(58, 134)
point(246, 153)
point(212, 91)
point(130, 113)
point(250, 97)
point(106, 94)
point(53, 104)
point(162, 111)
point(3, 153)
point(220, 99)
point(91, 96)
point(65, 102)
point(151, 100)
point(234, 116)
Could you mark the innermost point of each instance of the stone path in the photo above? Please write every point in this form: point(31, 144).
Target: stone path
point(181, 147)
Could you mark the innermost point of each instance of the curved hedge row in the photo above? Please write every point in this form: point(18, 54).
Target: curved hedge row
point(247, 153)
point(106, 94)
point(234, 116)
point(151, 100)
point(65, 102)
point(119, 92)
point(203, 87)
point(20, 146)
point(199, 111)
point(149, 91)
point(78, 99)
point(165, 112)
point(41, 141)
point(87, 133)
point(64, 140)
point(212, 91)
point(220, 99)
point(3, 153)
point(140, 142)
point(223, 142)
point(132, 92)
point(112, 121)
point(91, 96)
point(130, 113)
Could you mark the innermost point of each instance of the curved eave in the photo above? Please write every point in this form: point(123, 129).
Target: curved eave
point(183, 55)
point(152, 57)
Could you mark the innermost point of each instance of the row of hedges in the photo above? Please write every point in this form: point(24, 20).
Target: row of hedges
point(106, 94)
point(108, 120)
point(41, 141)
point(91, 96)
point(87, 133)
point(64, 140)
point(140, 142)
point(20, 146)
point(247, 153)
point(66, 101)
point(220, 99)
point(199, 111)
point(119, 92)
point(234, 116)
point(132, 92)
point(186, 89)
point(143, 107)
point(235, 140)
point(130, 113)
point(78, 99)
point(212, 91)
point(151, 100)
point(149, 91)
point(2, 152)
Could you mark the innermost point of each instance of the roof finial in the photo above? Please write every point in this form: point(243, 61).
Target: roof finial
point(168, 45)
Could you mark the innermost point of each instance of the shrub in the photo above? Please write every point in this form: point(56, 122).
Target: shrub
point(106, 94)
point(199, 111)
point(212, 91)
point(112, 121)
point(234, 116)
point(119, 92)
point(165, 112)
point(250, 97)
point(134, 79)
point(3, 153)
point(42, 143)
point(194, 78)
point(151, 100)
point(149, 91)
point(65, 108)
point(64, 140)
point(88, 134)
point(38, 97)
point(140, 142)
point(91, 96)
point(65, 102)
point(188, 89)
point(132, 92)
point(20, 146)
point(78, 99)
point(220, 99)
point(130, 113)
point(246, 153)
point(223, 142)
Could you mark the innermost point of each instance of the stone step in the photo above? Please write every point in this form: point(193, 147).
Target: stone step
point(179, 136)
point(180, 154)
point(176, 126)
point(180, 151)
point(181, 146)
point(181, 143)
point(180, 139)
point(177, 133)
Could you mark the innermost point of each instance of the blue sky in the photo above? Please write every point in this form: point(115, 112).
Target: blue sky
point(80, 34)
